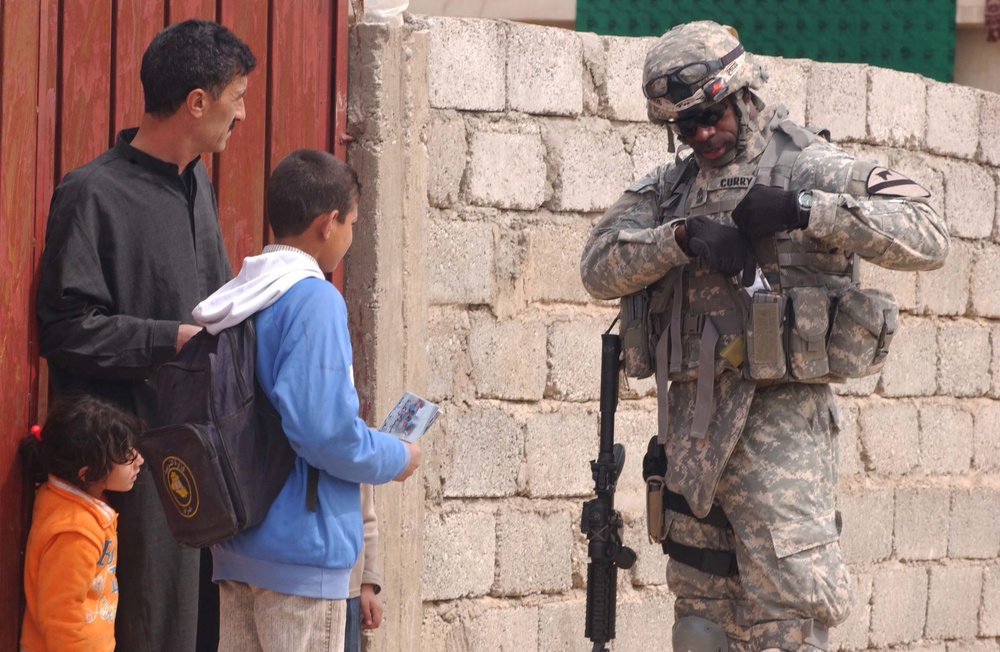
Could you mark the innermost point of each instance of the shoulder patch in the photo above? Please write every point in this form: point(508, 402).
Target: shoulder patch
point(644, 184)
point(886, 182)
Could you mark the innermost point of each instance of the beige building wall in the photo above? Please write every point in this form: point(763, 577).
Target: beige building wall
point(487, 150)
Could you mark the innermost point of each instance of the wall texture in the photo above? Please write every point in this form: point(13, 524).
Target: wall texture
point(488, 150)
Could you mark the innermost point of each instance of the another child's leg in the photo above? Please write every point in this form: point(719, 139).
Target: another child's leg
point(352, 635)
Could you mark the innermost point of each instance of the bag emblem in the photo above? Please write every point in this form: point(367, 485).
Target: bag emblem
point(177, 477)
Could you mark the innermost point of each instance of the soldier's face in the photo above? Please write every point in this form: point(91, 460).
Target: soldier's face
point(715, 141)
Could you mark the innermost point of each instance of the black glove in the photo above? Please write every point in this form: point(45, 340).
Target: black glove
point(767, 209)
point(721, 248)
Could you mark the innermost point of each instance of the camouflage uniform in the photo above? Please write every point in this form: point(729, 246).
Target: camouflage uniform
point(768, 454)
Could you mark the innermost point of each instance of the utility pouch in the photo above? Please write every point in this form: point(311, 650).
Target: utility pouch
point(766, 336)
point(861, 329)
point(654, 471)
point(655, 486)
point(809, 319)
point(637, 354)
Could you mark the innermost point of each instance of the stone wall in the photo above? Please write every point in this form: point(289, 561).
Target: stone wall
point(488, 150)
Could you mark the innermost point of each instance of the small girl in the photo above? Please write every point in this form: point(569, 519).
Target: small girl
point(86, 447)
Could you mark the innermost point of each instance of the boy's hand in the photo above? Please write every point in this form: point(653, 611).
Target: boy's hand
point(415, 456)
point(371, 608)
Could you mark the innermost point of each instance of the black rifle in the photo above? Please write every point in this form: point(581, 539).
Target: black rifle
point(601, 523)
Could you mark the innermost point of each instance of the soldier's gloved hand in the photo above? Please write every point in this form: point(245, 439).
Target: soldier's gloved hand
point(722, 248)
point(765, 210)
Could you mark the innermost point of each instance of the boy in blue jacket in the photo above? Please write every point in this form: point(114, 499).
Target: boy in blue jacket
point(283, 584)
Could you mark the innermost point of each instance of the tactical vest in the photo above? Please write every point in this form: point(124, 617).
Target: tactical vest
point(811, 322)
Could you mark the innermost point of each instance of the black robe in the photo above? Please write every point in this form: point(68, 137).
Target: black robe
point(131, 247)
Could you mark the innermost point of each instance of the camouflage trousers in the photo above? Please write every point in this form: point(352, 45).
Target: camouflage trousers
point(778, 493)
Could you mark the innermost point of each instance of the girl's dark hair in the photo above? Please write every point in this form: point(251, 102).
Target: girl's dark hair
point(81, 431)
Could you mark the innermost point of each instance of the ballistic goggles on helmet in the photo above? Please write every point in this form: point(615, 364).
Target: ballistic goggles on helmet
point(687, 86)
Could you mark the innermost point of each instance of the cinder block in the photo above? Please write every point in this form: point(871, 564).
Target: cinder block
point(624, 59)
point(975, 645)
point(575, 359)
point(590, 164)
point(899, 604)
point(506, 166)
point(633, 428)
point(447, 359)
point(889, 433)
point(858, 386)
point(989, 128)
point(892, 121)
point(953, 607)
point(832, 86)
point(486, 445)
point(911, 368)
point(559, 446)
point(508, 358)
point(867, 516)
point(945, 439)
point(437, 634)
point(553, 269)
point(985, 299)
point(650, 568)
point(594, 67)
point(848, 446)
point(945, 291)
point(466, 63)
point(970, 198)
point(786, 85)
point(446, 155)
point(965, 351)
point(925, 170)
point(459, 554)
point(952, 119)
point(503, 628)
point(460, 263)
point(986, 434)
point(903, 285)
point(533, 552)
point(975, 528)
point(644, 620)
point(853, 633)
point(560, 626)
point(544, 70)
point(922, 517)
point(651, 147)
point(995, 366)
point(989, 612)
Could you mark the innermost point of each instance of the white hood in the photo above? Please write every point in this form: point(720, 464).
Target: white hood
point(261, 282)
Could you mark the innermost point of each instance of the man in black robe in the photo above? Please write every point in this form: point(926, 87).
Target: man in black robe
point(132, 245)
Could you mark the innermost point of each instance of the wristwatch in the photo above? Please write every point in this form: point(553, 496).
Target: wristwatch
point(805, 202)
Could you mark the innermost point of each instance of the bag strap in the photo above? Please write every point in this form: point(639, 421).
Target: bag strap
point(312, 488)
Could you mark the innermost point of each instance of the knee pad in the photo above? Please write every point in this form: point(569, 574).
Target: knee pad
point(693, 634)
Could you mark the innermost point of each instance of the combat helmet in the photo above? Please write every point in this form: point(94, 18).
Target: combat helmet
point(695, 66)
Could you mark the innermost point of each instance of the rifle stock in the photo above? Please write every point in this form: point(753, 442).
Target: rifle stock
point(601, 522)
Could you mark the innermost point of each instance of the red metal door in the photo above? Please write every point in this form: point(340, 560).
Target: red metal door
point(69, 80)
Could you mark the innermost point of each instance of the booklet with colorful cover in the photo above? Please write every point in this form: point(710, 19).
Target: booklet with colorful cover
point(411, 417)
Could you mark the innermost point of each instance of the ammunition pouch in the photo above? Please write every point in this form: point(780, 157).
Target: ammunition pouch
point(861, 329)
point(639, 328)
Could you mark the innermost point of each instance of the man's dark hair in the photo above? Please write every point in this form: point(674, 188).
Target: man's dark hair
point(81, 431)
point(189, 55)
point(306, 184)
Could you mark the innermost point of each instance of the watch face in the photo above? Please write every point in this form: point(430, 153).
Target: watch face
point(805, 199)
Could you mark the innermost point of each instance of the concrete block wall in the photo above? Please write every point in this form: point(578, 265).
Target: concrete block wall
point(515, 139)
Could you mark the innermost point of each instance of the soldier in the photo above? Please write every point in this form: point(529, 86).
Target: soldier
point(737, 265)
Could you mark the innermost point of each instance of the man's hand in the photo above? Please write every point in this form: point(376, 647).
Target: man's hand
point(371, 608)
point(766, 210)
point(415, 456)
point(184, 333)
point(721, 248)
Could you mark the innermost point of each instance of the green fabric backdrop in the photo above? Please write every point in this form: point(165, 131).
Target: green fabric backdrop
point(910, 35)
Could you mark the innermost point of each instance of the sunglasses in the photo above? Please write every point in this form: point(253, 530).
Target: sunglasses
point(685, 81)
point(709, 117)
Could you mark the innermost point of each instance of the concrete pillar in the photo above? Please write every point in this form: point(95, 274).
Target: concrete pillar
point(385, 288)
